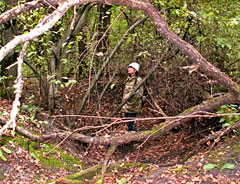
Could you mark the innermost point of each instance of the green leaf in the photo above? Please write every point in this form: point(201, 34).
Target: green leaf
point(34, 155)
point(6, 150)
point(192, 13)
point(2, 156)
point(72, 81)
point(24, 107)
point(43, 122)
point(121, 181)
point(200, 39)
point(141, 168)
point(209, 166)
point(99, 181)
point(62, 86)
point(227, 166)
point(225, 125)
point(220, 112)
point(221, 120)
point(13, 132)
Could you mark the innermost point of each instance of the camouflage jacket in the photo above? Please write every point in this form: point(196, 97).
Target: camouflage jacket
point(134, 104)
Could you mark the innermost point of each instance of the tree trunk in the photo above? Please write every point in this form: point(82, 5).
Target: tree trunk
point(102, 26)
point(55, 65)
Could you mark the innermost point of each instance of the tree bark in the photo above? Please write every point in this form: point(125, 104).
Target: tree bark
point(55, 65)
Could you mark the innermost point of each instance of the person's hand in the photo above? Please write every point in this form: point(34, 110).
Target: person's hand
point(126, 96)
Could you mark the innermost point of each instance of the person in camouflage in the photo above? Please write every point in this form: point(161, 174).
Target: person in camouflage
point(134, 105)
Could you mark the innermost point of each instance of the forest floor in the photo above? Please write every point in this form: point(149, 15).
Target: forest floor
point(155, 161)
point(220, 165)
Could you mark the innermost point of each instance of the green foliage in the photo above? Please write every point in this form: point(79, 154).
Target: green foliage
point(5, 89)
point(2, 150)
point(179, 168)
point(4, 78)
point(29, 108)
point(210, 166)
point(32, 109)
point(122, 180)
point(62, 84)
point(227, 166)
point(229, 120)
point(49, 157)
point(2, 6)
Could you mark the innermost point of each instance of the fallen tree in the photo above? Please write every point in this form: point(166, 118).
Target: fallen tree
point(199, 63)
point(113, 142)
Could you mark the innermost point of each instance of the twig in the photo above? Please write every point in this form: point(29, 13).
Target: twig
point(228, 129)
point(215, 136)
point(178, 119)
point(95, 49)
point(156, 104)
point(135, 160)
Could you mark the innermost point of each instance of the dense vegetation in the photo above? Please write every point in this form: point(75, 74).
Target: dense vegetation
point(74, 70)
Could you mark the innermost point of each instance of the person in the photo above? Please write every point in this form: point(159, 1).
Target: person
point(134, 105)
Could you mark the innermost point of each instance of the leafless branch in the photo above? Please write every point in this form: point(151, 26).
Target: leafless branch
point(18, 85)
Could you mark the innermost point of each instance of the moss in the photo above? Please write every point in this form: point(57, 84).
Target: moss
point(4, 140)
point(91, 172)
point(57, 157)
point(87, 173)
point(124, 166)
point(236, 149)
point(69, 181)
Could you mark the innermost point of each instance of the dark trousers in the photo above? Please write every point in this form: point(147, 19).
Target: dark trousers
point(131, 124)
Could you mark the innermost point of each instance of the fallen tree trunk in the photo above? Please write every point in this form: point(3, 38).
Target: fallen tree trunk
point(115, 141)
point(163, 128)
point(199, 62)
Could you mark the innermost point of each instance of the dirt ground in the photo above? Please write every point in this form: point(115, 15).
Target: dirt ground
point(21, 166)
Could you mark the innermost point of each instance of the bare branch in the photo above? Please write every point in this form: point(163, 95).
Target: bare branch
point(18, 91)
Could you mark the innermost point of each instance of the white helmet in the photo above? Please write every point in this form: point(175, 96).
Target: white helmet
point(135, 65)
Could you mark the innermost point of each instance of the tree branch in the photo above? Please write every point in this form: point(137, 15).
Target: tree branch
point(18, 85)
